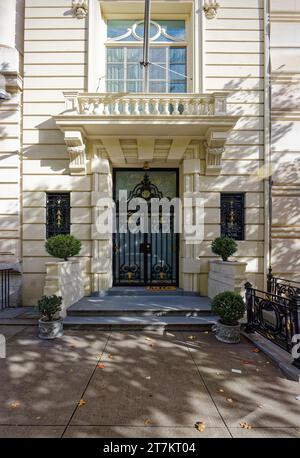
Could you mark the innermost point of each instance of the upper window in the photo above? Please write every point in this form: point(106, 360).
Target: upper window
point(167, 56)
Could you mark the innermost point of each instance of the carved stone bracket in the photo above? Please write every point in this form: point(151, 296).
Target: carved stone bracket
point(80, 8)
point(214, 149)
point(210, 9)
point(77, 152)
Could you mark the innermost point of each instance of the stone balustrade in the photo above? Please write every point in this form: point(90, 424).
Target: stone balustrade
point(138, 104)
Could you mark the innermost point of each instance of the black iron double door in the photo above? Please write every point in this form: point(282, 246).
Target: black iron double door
point(150, 256)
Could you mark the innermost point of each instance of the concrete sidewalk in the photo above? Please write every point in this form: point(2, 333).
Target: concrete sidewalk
point(148, 384)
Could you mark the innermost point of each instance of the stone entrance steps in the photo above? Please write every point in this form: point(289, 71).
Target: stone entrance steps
point(123, 312)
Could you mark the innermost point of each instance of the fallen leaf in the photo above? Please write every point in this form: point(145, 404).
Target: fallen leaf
point(200, 426)
point(147, 422)
point(148, 378)
point(38, 418)
point(255, 350)
point(245, 425)
point(221, 391)
point(192, 337)
point(257, 370)
point(15, 404)
point(260, 406)
point(206, 332)
point(148, 338)
point(110, 356)
point(229, 400)
point(100, 366)
point(81, 403)
point(247, 362)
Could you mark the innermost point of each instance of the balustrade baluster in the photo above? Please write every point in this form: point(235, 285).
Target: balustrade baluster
point(175, 103)
point(136, 110)
point(96, 106)
point(126, 107)
point(156, 107)
point(115, 107)
point(166, 107)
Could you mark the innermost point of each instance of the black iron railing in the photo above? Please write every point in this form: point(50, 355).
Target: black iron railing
point(282, 286)
point(4, 288)
point(274, 316)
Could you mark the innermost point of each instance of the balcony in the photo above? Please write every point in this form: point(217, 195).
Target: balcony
point(181, 118)
point(123, 113)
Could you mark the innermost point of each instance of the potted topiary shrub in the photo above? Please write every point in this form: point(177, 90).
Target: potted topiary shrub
point(50, 324)
point(63, 246)
point(230, 307)
point(224, 246)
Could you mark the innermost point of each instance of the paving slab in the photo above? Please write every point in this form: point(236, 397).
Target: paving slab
point(14, 432)
point(10, 331)
point(265, 433)
point(143, 432)
point(146, 377)
point(256, 395)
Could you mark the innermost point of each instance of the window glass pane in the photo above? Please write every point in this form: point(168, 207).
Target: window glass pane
point(177, 87)
point(135, 86)
point(115, 71)
point(177, 55)
point(134, 71)
point(115, 54)
point(157, 55)
point(177, 72)
point(117, 28)
point(157, 86)
point(157, 73)
point(176, 29)
point(115, 86)
point(135, 54)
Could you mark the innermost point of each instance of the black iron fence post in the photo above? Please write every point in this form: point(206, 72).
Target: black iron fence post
point(295, 311)
point(249, 306)
point(5, 288)
point(269, 280)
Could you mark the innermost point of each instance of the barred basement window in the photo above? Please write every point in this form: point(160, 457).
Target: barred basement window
point(57, 214)
point(233, 215)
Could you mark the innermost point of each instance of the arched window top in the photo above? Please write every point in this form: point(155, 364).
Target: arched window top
point(169, 31)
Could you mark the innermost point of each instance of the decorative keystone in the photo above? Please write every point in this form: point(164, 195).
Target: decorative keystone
point(210, 9)
point(80, 8)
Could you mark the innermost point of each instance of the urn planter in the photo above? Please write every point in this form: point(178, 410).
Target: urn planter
point(228, 334)
point(49, 330)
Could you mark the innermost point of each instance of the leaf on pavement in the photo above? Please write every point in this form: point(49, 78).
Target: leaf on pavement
point(245, 425)
point(81, 403)
point(192, 337)
point(255, 350)
point(15, 404)
point(100, 366)
point(200, 426)
point(110, 356)
point(147, 422)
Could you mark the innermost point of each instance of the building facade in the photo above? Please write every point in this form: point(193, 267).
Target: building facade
point(220, 119)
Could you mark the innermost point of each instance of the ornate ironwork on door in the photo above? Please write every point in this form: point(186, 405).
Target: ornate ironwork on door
point(232, 215)
point(57, 214)
point(149, 258)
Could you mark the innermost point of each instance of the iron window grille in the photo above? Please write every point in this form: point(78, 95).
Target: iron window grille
point(233, 216)
point(58, 212)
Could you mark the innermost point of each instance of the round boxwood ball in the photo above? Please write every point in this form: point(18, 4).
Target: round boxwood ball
point(63, 246)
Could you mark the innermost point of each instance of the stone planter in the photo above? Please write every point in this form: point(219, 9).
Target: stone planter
point(226, 276)
point(228, 334)
point(64, 279)
point(49, 330)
